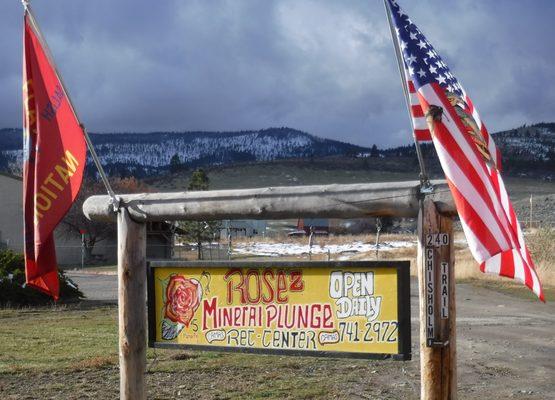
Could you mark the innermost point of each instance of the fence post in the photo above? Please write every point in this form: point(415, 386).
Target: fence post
point(436, 281)
point(531, 210)
point(310, 242)
point(132, 306)
point(378, 230)
point(82, 250)
point(229, 251)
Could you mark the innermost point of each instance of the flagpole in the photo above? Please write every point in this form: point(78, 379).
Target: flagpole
point(114, 199)
point(424, 179)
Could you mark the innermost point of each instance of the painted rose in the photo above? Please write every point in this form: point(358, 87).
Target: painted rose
point(183, 297)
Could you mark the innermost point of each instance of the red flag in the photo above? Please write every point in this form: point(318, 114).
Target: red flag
point(54, 160)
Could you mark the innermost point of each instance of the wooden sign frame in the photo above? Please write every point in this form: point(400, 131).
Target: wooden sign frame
point(403, 304)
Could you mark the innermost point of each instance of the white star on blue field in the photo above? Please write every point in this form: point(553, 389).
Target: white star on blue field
point(423, 63)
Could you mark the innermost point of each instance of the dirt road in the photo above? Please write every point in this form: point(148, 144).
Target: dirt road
point(506, 346)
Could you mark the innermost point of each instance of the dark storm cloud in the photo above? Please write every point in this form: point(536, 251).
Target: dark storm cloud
point(326, 67)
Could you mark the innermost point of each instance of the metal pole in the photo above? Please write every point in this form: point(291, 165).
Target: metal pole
point(378, 230)
point(29, 12)
point(424, 180)
point(115, 199)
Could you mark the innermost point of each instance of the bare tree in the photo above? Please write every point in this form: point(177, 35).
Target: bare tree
point(75, 223)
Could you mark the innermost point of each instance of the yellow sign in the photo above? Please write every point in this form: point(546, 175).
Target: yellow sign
point(335, 308)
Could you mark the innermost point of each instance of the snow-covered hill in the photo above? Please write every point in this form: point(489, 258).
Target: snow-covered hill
point(525, 151)
point(528, 143)
point(143, 153)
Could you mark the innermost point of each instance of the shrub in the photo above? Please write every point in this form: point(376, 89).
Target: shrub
point(14, 292)
point(542, 246)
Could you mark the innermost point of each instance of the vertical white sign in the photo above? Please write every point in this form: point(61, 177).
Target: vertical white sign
point(444, 290)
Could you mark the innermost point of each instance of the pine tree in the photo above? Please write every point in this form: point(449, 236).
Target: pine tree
point(199, 180)
point(199, 231)
point(175, 163)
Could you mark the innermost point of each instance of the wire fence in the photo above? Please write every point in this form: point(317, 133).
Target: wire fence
point(104, 254)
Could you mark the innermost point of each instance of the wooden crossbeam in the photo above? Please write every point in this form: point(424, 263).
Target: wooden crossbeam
point(390, 199)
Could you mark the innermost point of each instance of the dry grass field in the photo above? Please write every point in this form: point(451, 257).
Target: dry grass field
point(540, 241)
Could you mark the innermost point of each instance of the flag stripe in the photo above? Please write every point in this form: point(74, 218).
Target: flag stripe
point(479, 252)
point(492, 265)
point(420, 126)
point(422, 135)
point(473, 222)
point(508, 211)
point(414, 99)
point(519, 268)
point(416, 111)
point(507, 265)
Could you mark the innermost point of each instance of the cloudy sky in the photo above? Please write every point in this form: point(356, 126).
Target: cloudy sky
point(325, 67)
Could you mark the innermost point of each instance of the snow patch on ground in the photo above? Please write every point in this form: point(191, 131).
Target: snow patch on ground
point(288, 249)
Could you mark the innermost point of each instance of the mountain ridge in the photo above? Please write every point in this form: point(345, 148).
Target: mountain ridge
point(528, 149)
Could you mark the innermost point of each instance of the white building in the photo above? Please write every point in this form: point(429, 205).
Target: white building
point(11, 212)
point(243, 228)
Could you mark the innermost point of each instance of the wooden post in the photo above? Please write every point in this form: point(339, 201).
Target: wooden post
point(436, 280)
point(131, 306)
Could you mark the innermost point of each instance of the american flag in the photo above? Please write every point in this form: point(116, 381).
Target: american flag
point(468, 156)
